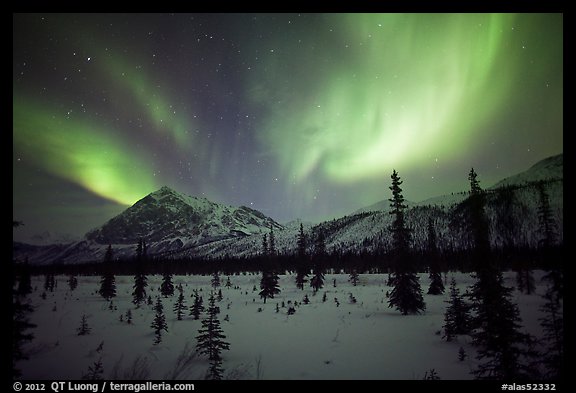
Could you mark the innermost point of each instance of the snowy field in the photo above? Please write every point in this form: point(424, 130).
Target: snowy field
point(321, 340)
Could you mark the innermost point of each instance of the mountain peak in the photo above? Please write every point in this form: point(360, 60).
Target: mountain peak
point(172, 220)
point(165, 190)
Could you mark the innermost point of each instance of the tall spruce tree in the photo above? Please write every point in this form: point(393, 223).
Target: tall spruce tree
point(265, 249)
point(211, 341)
point(301, 263)
point(478, 222)
point(271, 242)
point(317, 280)
point(406, 295)
point(436, 285)
point(553, 328)
point(503, 351)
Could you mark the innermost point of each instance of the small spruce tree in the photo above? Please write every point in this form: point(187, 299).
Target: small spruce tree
point(167, 286)
point(269, 285)
point(215, 279)
point(140, 284)
point(180, 305)
point(197, 307)
point(83, 329)
point(457, 315)
point(354, 277)
point(108, 284)
point(159, 322)
point(72, 282)
point(95, 371)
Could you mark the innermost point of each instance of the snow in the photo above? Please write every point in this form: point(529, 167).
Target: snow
point(366, 340)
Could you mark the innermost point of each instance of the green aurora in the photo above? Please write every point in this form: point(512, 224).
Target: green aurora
point(295, 115)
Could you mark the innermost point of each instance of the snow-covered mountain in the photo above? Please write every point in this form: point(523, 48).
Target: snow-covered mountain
point(172, 219)
point(177, 225)
point(512, 210)
point(550, 168)
point(166, 220)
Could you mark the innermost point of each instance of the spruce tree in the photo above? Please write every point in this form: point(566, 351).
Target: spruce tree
point(211, 341)
point(478, 221)
point(83, 329)
point(159, 322)
point(406, 295)
point(107, 284)
point(20, 331)
point(504, 352)
point(354, 277)
point(436, 285)
point(457, 315)
point(49, 281)
point(139, 250)
point(319, 244)
point(269, 284)
point(197, 307)
point(301, 242)
point(129, 317)
point(180, 305)
point(95, 371)
point(215, 280)
point(301, 263)
point(553, 327)
point(547, 225)
point(167, 286)
point(20, 322)
point(139, 292)
point(317, 280)
point(72, 282)
point(265, 250)
point(271, 242)
point(109, 255)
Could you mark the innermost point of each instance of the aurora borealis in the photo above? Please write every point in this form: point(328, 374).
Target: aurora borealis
point(296, 115)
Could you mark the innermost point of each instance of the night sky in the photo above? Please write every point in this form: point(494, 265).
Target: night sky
point(295, 115)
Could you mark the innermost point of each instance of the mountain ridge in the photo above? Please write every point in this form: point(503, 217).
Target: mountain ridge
point(183, 226)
